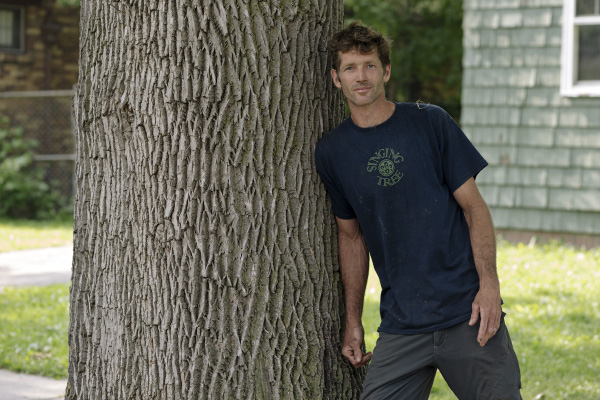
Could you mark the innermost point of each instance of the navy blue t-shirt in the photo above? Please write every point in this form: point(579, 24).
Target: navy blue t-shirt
point(397, 178)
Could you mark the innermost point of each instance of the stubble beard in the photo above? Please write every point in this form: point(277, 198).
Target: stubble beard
point(361, 100)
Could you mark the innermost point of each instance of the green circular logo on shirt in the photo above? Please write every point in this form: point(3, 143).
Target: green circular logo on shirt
point(386, 167)
point(384, 163)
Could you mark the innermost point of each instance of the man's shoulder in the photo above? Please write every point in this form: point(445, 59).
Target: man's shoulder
point(425, 117)
point(423, 109)
point(335, 135)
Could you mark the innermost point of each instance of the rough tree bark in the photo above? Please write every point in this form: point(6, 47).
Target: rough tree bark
point(205, 264)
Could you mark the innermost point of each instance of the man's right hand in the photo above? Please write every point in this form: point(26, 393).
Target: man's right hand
point(354, 266)
point(352, 348)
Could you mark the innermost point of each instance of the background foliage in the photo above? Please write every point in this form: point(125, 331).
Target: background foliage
point(23, 191)
point(426, 47)
point(67, 2)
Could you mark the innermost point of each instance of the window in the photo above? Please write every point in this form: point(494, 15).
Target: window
point(12, 28)
point(580, 75)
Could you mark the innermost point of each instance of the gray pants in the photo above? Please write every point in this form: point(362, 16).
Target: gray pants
point(404, 366)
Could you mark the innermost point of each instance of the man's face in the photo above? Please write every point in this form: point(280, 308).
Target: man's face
point(361, 77)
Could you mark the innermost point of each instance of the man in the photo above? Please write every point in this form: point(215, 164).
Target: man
point(401, 181)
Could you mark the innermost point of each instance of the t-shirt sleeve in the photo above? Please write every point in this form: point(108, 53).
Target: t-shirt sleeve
point(339, 204)
point(460, 159)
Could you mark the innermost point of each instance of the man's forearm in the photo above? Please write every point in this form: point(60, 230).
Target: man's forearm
point(354, 265)
point(483, 243)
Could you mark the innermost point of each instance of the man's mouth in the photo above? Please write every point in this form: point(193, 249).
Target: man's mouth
point(362, 89)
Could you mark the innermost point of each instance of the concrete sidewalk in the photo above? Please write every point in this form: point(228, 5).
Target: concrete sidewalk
point(36, 267)
point(27, 268)
point(30, 387)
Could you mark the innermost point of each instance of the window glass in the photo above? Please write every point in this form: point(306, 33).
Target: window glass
point(6, 28)
point(587, 7)
point(580, 64)
point(589, 53)
point(10, 28)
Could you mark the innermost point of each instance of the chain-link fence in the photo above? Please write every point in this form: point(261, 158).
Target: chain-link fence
point(46, 116)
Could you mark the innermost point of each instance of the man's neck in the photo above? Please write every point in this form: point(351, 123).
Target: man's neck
point(373, 114)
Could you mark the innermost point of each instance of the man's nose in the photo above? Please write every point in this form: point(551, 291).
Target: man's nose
point(361, 75)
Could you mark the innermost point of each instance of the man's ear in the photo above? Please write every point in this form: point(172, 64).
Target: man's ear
point(336, 78)
point(388, 73)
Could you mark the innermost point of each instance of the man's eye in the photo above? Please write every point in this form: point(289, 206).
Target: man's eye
point(371, 66)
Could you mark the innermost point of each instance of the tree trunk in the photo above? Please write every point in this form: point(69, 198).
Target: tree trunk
point(205, 264)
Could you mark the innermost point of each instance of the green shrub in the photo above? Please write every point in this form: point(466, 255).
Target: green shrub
point(23, 191)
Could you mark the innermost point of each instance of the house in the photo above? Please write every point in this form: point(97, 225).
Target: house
point(39, 45)
point(531, 105)
point(39, 53)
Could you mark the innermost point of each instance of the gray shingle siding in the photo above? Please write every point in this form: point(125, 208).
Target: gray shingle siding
point(543, 149)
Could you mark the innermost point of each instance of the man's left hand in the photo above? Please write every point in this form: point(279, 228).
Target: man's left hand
point(488, 304)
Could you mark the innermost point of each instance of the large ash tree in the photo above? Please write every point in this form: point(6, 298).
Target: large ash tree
point(205, 264)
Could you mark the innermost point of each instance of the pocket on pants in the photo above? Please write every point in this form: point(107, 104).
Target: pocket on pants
point(508, 384)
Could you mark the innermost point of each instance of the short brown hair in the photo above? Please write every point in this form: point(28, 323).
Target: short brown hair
point(357, 36)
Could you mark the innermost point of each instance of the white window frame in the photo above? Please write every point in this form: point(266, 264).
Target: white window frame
point(569, 86)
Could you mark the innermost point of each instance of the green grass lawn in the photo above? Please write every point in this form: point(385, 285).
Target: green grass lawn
point(552, 301)
point(34, 322)
point(26, 234)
